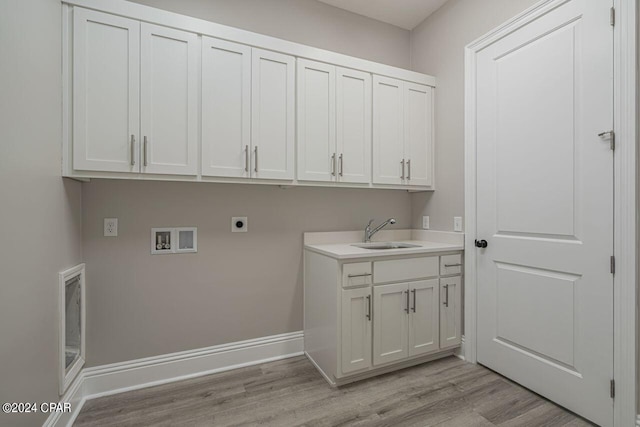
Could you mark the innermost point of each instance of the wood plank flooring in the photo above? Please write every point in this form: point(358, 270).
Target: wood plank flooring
point(444, 393)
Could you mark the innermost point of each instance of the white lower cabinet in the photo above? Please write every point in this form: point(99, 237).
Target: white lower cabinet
point(369, 316)
point(356, 329)
point(450, 312)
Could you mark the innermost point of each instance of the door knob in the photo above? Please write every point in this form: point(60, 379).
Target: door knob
point(481, 244)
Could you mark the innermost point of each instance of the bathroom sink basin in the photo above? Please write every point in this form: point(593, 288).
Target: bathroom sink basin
point(385, 245)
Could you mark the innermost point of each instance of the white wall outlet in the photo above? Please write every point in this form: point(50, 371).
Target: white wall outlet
point(457, 223)
point(425, 222)
point(239, 224)
point(111, 227)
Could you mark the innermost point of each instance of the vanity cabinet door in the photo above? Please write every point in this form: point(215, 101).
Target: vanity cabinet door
point(450, 312)
point(356, 329)
point(423, 317)
point(390, 323)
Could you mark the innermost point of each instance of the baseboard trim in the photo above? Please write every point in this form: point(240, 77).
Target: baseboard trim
point(117, 378)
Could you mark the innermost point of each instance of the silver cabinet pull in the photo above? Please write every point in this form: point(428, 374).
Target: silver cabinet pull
point(402, 163)
point(408, 169)
point(333, 164)
point(246, 158)
point(341, 169)
point(407, 308)
point(413, 291)
point(453, 265)
point(359, 275)
point(369, 305)
point(446, 296)
point(145, 151)
point(133, 150)
point(255, 154)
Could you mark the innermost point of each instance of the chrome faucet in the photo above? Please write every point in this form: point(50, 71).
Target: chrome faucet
point(368, 232)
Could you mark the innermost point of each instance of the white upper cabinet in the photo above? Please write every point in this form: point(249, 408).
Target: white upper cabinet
point(106, 92)
point(388, 131)
point(226, 109)
point(169, 100)
point(418, 134)
point(272, 115)
point(353, 126)
point(317, 158)
point(402, 133)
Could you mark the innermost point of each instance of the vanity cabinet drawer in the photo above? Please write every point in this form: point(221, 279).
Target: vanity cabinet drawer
point(398, 270)
point(356, 274)
point(450, 264)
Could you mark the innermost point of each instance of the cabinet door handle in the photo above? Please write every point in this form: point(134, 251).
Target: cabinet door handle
point(359, 275)
point(446, 296)
point(413, 291)
point(246, 158)
point(407, 309)
point(255, 153)
point(402, 163)
point(133, 150)
point(453, 265)
point(408, 169)
point(341, 164)
point(369, 305)
point(145, 151)
point(333, 164)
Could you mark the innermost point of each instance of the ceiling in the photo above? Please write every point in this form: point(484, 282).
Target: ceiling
point(401, 13)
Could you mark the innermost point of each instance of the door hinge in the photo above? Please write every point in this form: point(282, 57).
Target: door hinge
point(612, 389)
point(613, 264)
point(612, 138)
point(612, 17)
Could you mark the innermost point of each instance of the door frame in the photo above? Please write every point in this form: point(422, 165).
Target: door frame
point(625, 196)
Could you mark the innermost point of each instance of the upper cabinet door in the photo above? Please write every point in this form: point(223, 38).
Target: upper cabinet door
point(106, 78)
point(272, 115)
point(418, 134)
point(353, 125)
point(423, 317)
point(169, 98)
point(388, 131)
point(317, 158)
point(226, 108)
point(390, 321)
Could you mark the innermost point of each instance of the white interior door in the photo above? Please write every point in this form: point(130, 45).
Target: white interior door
point(390, 322)
point(317, 158)
point(356, 329)
point(545, 207)
point(169, 100)
point(388, 131)
point(272, 114)
point(353, 126)
point(226, 108)
point(106, 92)
point(423, 317)
point(418, 134)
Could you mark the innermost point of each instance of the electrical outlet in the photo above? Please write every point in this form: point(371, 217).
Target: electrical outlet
point(239, 224)
point(425, 222)
point(457, 223)
point(111, 227)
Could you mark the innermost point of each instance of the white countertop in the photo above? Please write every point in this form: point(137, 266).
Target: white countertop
point(339, 245)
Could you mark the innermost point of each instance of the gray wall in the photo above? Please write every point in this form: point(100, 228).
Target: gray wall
point(437, 48)
point(308, 22)
point(238, 286)
point(39, 211)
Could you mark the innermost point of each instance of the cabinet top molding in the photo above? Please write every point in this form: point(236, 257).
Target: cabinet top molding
point(174, 20)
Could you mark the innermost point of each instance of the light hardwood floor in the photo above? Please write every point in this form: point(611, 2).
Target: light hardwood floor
point(445, 393)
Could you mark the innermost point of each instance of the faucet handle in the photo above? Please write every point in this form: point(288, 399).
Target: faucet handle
point(371, 222)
